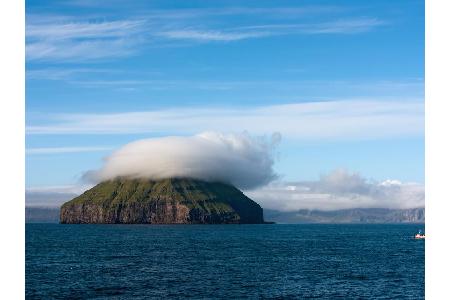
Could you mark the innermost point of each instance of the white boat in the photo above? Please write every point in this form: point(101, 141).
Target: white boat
point(419, 235)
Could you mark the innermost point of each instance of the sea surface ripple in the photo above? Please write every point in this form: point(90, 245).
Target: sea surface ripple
point(272, 261)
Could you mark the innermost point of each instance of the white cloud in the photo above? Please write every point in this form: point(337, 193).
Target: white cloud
point(238, 159)
point(339, 190)
point(311, 120)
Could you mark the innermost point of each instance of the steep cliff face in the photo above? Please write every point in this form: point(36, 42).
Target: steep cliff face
point(168, 201)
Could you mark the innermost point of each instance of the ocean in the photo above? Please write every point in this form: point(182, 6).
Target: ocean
point(272, 261)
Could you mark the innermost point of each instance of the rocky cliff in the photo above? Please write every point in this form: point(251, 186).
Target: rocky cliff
point(168, 201)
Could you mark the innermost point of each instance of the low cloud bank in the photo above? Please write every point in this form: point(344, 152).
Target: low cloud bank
point(47, 199)
point(52, 196)
point(238, 159)
point(339, 189)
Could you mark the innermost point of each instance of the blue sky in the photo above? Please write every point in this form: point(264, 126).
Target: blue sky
point(342, 81)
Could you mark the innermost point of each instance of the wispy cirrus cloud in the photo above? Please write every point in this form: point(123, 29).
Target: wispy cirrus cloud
point(287, 89)
point(64, 73)
point(350, 26)
point(345, 26)
point(212, 35)
point(85, 30)
point(68, 38)
point(58, 150)
point(205, 12)
point(348, 119)
point(75, 74)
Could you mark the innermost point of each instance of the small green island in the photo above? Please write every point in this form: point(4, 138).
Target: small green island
point(166, 201)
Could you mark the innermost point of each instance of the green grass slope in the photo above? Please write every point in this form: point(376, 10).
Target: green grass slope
point(175, 200)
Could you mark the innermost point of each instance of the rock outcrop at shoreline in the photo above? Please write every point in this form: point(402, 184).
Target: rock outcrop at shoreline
point(168, 201)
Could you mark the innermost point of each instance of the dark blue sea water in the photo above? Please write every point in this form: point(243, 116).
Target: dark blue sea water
point(224, 261)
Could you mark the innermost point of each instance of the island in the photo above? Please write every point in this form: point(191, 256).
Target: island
point(166, 201)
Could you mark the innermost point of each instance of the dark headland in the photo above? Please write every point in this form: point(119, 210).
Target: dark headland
point(167, 201)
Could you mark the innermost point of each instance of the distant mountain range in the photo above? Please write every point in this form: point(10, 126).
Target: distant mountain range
point(41, 215)
point(355, 215)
